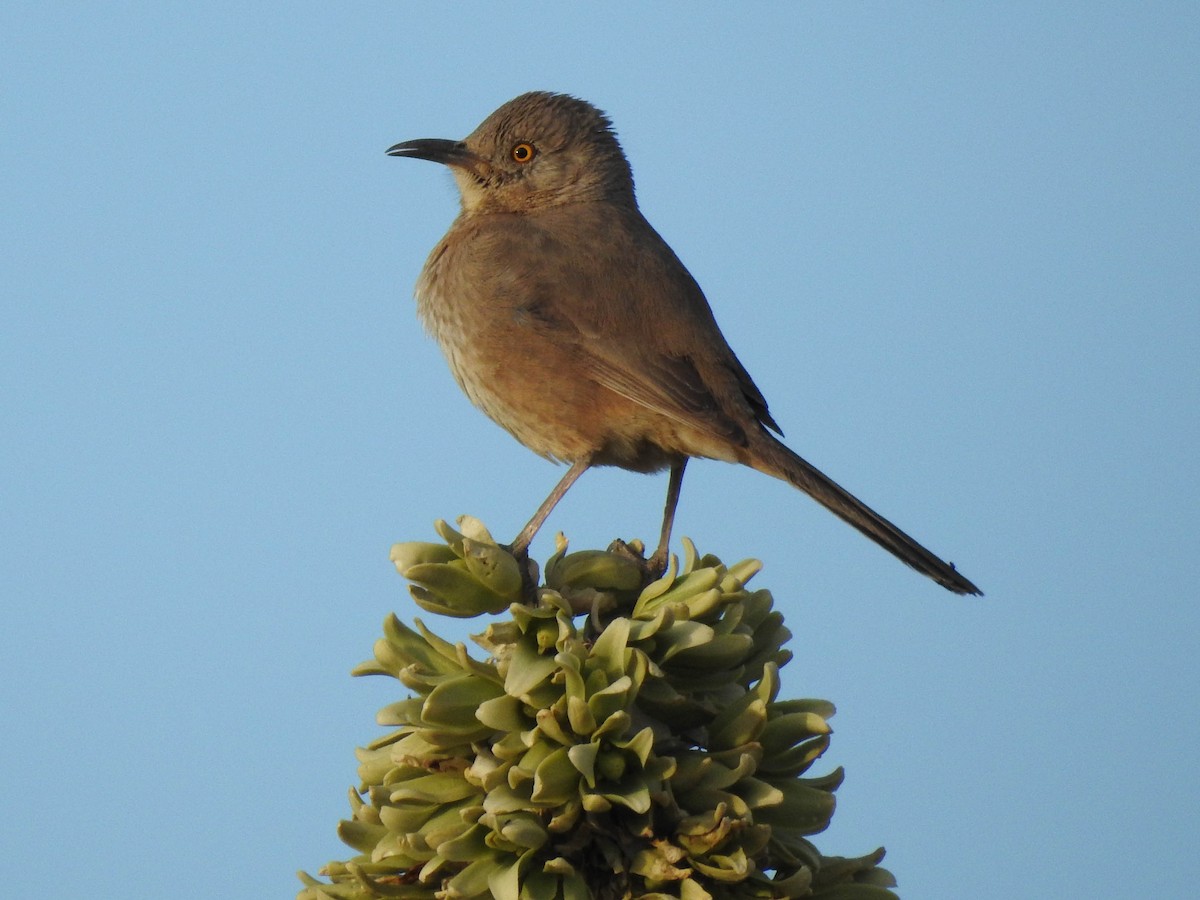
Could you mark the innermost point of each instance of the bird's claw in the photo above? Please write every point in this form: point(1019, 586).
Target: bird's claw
point(652, 567)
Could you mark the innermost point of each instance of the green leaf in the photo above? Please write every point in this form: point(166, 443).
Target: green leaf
point(503, 713)
point(583, 758)
point(527, 669)
point(556, 780)
point(454, 703)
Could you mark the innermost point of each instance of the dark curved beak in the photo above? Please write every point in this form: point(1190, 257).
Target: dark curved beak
point(450, 153)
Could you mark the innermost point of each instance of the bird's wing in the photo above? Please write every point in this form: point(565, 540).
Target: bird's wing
point(665, 353)
point(670, 385)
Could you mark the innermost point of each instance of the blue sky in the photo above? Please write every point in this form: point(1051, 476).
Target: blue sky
point(957, 246)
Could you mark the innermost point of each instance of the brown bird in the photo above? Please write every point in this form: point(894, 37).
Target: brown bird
point(570, 322)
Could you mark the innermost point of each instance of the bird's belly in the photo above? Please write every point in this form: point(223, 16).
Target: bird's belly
point(535, 394)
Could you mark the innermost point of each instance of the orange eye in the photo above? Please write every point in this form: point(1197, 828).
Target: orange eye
point(523, 152)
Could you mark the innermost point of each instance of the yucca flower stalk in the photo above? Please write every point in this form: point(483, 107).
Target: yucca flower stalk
point(619, 741)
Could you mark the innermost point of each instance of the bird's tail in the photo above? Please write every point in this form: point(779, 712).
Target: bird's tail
point(773, 458)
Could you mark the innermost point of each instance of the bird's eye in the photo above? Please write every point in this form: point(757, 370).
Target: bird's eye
point(523, 152)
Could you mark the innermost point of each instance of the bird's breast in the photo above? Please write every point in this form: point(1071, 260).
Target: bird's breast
point(472, 304)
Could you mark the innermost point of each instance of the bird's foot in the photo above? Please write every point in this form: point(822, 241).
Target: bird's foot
point(656, 565)
point(652, 568)
point(529, 570)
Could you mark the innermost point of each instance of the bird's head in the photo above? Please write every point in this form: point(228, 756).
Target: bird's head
point(536, 151)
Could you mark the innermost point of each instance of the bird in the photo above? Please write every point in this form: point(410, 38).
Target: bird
point(569, 321)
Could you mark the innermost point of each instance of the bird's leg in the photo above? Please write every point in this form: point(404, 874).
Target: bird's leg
point(657, 564)
point(520, 544)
